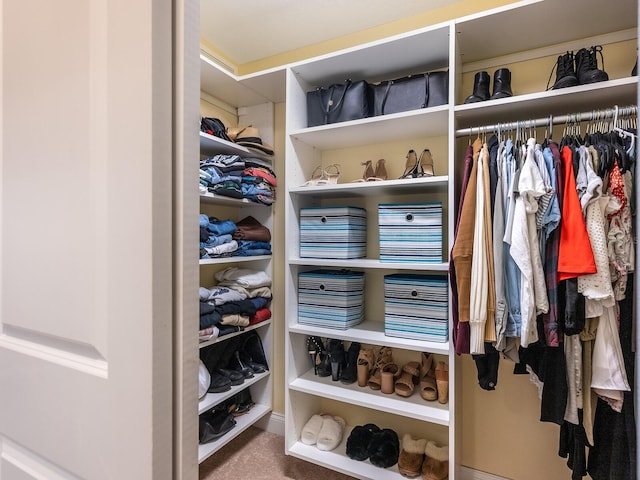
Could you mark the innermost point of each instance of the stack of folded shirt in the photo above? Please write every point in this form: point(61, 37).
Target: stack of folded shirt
point(216, 238)
point(241, 298)
point(259, 181)
point(222, 175)
point(252, 237)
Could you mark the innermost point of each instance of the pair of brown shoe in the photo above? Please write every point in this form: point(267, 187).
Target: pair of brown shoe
point(422, 457)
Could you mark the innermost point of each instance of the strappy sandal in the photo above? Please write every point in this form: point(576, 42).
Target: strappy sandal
point(318, 177)
point(411, 165)
point(366, 361)
point(428, 387)
point(332, 174)
point(409, 377)
point(384, 356)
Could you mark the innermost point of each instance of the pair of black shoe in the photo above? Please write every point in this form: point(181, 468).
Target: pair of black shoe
point(579, 69)
point(214, 424)
point(501, 86)
point(333, 359)
point(380, 446)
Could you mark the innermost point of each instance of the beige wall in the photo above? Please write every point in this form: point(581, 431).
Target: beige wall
point(500, 430)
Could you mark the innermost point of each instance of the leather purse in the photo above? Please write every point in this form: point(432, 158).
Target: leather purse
point(338, 103)
point(410, 93)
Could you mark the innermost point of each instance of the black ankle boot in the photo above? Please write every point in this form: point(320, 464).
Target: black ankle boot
point(350, 370)
point(502, 84)
point(480, 88)
point(587, 66)
point(336, 352)
point(634, 70)
point(565, 72)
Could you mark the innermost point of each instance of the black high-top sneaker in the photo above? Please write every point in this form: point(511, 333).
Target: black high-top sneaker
point(565, 72)
point(587, 66)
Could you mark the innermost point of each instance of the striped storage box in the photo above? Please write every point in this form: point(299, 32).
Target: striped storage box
point(416, 307)
point(410, 232)
point(331, 298)
point(333, 232)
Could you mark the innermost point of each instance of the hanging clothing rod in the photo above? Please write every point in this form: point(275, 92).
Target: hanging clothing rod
point(606, 114)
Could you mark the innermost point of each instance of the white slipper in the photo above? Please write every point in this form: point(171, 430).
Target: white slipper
point(330, 434)
point(311, 430)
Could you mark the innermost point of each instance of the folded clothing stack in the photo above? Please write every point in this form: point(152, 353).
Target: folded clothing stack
point(259, 181)
point(241, 298)
point(222, 175)
point(224, 238)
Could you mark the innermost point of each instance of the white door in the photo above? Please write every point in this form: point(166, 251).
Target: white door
point(86, 248)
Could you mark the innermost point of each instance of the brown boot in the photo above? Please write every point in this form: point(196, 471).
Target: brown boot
point(436, 462)
point(411, 456)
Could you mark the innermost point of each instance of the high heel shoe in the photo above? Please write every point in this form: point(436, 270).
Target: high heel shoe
point(381, 170)
point(411, 165)
point(316, 351)
point(332, 174)
point(425, 164)
point(317, 176)
point(336, 355)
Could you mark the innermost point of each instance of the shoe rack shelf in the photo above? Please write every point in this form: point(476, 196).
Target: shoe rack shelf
point(476, 42)
point(261, 384)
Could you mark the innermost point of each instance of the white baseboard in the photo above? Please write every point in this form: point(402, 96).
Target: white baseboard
point(273, 423)
point(467, 473)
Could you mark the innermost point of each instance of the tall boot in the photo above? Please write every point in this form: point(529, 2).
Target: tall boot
point(565, 72)
point(480, 88)
point(587, 66)
point(501, 84)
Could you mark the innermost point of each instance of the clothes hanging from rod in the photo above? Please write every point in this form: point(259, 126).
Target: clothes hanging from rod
point(541, 261)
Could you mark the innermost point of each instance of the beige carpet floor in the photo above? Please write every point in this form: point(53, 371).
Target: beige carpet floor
point(259, 455)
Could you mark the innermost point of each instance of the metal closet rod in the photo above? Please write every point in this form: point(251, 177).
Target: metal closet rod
point(605, 114)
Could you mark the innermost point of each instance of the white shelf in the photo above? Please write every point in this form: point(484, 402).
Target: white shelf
point(213, 199)
point(242, 423)
point(413, 407)
point(371, 332)
point(211, 145)
point(337, 460)
point(540, 104)
point(212, 399)
point(427, 122)
point(370, 264)
point(235, 334)
point(214, 261)
point(375, 189)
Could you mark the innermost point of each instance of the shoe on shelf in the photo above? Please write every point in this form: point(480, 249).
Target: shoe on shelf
point(565, 72)
point(480, 88)
point(316, 351)
point(411, 456)
point(436, 462)
point(371, 175)
point(587, 66)
point(317, 176)
point(349, 372)
point(442, 382)
point(390, 373)
point(335, 351)
point(332, 174)
point(214, 424)
point(428, 386)
point(384, 448)
point(408, 379)
point(411, 165)
point(384, 356)
point(330, 434)
point(501, 84)
point(358, 441)
point(366, 361)
point(425, 164)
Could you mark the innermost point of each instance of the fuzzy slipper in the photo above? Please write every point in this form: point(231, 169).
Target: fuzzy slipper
point(411, 456)
point(384, 448)
point(358, 441)
point(311, 429)
point(330, 434)
point(436, 462)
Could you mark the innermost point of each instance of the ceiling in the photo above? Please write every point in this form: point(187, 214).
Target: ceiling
point(244, 30)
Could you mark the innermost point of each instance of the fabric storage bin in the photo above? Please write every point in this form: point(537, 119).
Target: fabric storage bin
point(416, 307)
point(333, 232)
point(331, 298)
point(410, 232)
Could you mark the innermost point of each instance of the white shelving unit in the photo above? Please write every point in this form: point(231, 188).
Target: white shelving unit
point(260, 385)
point(493, 38)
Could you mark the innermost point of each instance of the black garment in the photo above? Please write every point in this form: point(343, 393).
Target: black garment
point(487, 366)
point(571, 307)
point(613, 456)
point(573, 444)
point(492, 145)
point(555, 390)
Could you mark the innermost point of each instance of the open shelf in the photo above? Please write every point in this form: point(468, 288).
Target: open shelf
point(214, 261)
point(370, 264)
point(210, 400)
point(213, 199)
point(371, 332)
point(206, 343)
point(407, 186)
point(242, 423)
point(413, 407)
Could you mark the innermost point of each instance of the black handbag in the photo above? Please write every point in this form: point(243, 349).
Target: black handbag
point(438, 88)
point(410, 93)
point(338, 103)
